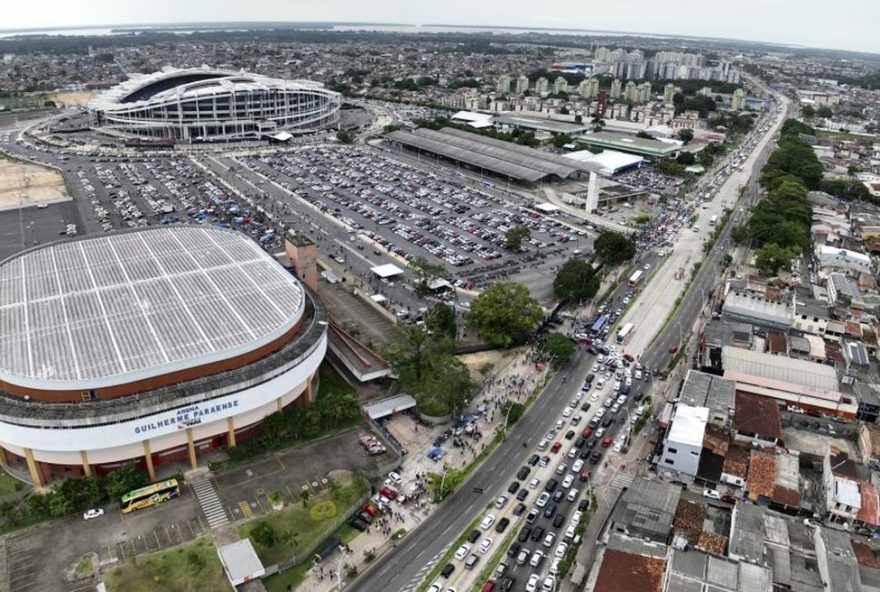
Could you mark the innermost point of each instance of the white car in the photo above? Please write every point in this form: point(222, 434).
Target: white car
point(569, 479)
point(554, 567)
point(485, 544)
point(577, 466)
point(462, 551)
point(594, 397)
point(600, 382)
point(712, 494)
point(576, 517)
point(499, 503)
point(89, 514)
point(536, 559)
point(638, 375)
point(435, 588)
point(561, 548)
point(488, 521)
point(618, 446)
point(532, 584)
point(549, 539)
point(542, 499)
point(560, 423)
point(567, 412)
point(533, 484)
point(549, 584)
point(393, 478)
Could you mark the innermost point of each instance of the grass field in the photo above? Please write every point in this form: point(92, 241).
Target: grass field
point(193, 567)
point(296, 528)
point(330, 381)
point(9, 484)
point(23, 102)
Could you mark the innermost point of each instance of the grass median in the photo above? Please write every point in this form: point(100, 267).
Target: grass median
point(193, 567)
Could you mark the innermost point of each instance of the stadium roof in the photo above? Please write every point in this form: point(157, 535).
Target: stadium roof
point(608, 162)
point(541, 123)
point(96, 312)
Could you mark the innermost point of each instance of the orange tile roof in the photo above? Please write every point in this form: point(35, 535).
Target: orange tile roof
point(865, 554)
point(629, 572)
point(689, 518)
point(736, 462)
point(873, 439)
point(757, 415)
point(712, 542)
point(869, 513)
point(762, 474)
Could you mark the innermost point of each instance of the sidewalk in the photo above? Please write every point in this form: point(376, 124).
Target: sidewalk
point(513, 382)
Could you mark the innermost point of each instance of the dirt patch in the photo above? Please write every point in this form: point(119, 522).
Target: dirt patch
point(72, 98)
point(24, 184)
point(485, 364)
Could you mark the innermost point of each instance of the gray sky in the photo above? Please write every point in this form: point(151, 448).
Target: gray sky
point(840, 24)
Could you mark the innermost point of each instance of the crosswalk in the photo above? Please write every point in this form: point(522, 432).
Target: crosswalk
point(621, 480)
point(210, 503)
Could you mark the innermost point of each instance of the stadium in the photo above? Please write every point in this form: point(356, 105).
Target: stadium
point(153, 345)
point(204, 105)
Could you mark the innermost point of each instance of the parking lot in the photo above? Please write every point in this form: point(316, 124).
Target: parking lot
point(412, 212)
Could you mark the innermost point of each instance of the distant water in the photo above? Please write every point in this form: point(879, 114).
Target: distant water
point(388, 28)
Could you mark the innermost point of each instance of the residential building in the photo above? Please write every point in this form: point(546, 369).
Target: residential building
point(522, 84)
point(560, 85)
point(542, 85)
point(502, 85)
point(869, 445)
point(737, 101)
point(645, 510)
point(614, 93)
point(840, 484)
point(684, 441)
point(629, 92)
point(668, 93)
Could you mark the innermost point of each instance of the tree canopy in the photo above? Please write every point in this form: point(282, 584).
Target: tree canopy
point(425, 271)
point(576, 281)
point(505, 314)
point(515, 235)
point(560, 348)
point(614, 248)
point(686, 135)
point(440, 320)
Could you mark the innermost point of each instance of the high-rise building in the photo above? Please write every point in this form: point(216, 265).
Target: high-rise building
point(629, 92)
point(522, 84)
point(614, 94)
point(542, 85)
point(668, 93)
point(560, 85)
point(738, 100)
point(502, 85)
point(593, 87)
point(644, 92)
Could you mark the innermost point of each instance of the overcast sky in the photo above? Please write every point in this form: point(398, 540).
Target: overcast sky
point(839, 24)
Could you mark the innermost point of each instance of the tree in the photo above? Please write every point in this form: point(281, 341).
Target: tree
point(413, 354)
point(505, 314)
point(578, 118)
point(560, 140)
point(515, 235)
point(264, 534)
point(686, 135)
point(513, 412)
point(686, 158)
point(344, 137)
point(825, 112)
point(808, 111)
point(771, 258)
point(670, 167)
point(441, 320)
point(576, 281)
point(614, 248)
point(124, 479)
point(425, 272)
point(560, 348)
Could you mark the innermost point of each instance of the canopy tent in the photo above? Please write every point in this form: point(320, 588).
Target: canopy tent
point(386, 271)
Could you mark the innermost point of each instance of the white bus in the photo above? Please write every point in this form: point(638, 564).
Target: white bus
point(635, 278)
point(713, 220)
point(624, 332)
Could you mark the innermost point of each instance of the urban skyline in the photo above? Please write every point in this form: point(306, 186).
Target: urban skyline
point(813, 27)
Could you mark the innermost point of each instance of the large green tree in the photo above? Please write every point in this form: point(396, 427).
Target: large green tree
point(505, 314)
point(425, 272)
point(771, 258)
point(441, 320)
point(560, 348)
point(515, 235)
point(614, 247)
point(124, 479)
point(576, 281)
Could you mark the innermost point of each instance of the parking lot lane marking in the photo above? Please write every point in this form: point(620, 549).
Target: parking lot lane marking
point(156, 534)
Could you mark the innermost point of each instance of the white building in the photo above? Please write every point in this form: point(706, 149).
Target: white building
point(832, 258)
point(684, 441)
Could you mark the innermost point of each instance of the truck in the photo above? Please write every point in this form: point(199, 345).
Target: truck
point(713, 220)
point(635, 278)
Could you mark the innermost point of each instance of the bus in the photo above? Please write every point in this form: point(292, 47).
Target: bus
point(624, 332)
point(713, 220)
point(599, 324)
point(149, 495)
point(635, 278)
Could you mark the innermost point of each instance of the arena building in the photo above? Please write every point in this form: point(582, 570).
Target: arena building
point(203, 104)
point(152, 345)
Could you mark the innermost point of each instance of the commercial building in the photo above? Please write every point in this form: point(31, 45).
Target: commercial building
point(737, 101)
point(608, 162)
point(204, 104)
point(646, 147)
point(684, 441)
point(151, 345)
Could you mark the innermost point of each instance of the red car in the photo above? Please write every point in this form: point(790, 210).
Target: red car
point(628, 358)
point(587, 433)
point(606, 441)
point(673, 349)
point(556, 446)
point(585, 476)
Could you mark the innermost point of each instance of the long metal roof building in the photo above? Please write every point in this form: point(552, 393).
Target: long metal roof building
point(496, 156)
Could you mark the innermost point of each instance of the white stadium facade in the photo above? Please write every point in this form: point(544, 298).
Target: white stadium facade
point(203, 104)
point(152, 345)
